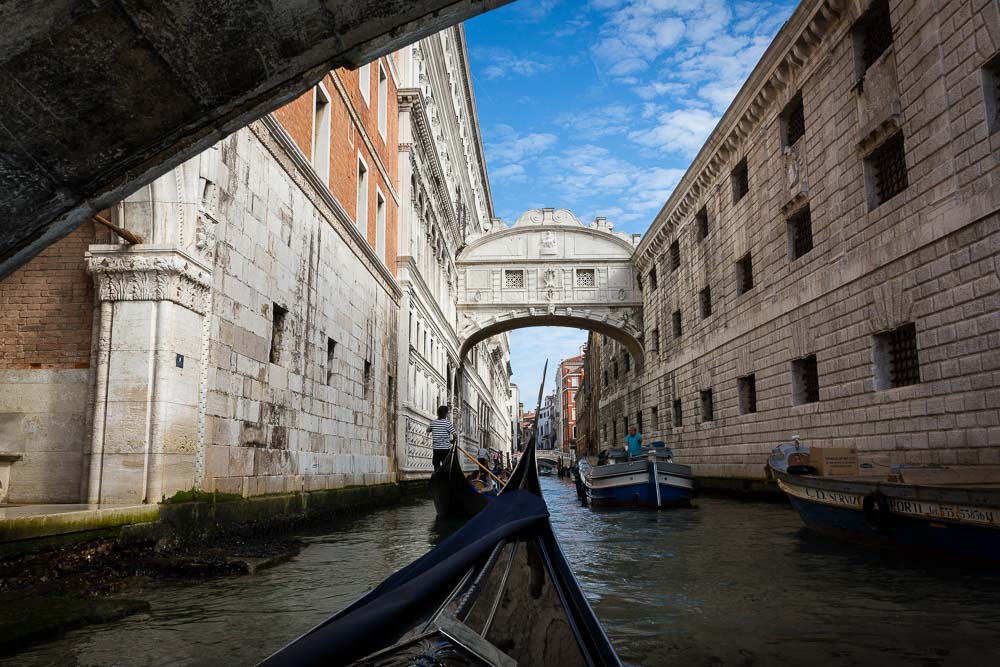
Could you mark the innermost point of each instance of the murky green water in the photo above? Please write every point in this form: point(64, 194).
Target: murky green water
point(727, 583)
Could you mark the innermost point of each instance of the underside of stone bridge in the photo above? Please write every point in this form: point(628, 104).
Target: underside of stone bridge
point(550, 269)
point(99, 97)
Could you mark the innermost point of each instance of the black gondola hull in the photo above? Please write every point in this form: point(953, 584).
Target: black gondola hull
point(454, 497)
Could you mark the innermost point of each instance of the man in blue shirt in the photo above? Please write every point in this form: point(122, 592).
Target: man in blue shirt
point(633, 442)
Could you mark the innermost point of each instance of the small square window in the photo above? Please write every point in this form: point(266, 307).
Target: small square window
point(652, 278)
point(744, 274)
point(741, 181)
point(887, 169)
point(675, 256)
point(897, 363)
point(872, 35)
point(586, 278)
point(676, 317)
point(793, 119)
point(705, 302)
point(805, 380)
point(513, 279)
point(701, 221)
point(800, 238)
point(678, 416)
point(748, 394)
point(707, 409)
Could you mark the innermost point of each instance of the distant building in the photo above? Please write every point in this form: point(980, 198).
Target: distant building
point(588, 399)
point(546, 423)
point(569, 378)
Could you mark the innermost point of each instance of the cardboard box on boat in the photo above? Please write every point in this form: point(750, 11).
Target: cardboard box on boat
point(834, 461)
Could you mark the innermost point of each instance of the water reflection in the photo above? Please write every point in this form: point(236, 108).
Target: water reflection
point(727, 582)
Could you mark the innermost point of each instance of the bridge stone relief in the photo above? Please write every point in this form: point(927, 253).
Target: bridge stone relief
point(549, 269)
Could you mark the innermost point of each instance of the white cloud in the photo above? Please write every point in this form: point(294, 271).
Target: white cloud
point(509, 172)
point(503, 63)
point(683, 131)
point(597, 122)
point(514, 147)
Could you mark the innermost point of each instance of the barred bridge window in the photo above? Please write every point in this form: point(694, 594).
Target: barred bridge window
point(888, 169)
point(586, 278)
point(513, 279)
point(874, 33)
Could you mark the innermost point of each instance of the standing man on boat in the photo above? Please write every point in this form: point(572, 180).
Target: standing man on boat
point(633, 442)
point(442, 435)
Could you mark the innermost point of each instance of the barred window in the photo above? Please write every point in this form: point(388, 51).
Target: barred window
point(652, 278)
point(678, 417)
point(800, 238)
point(741, 181)
point(586, 278)
point(744, 274)
point(794, 120)
point(805, 380)
point(513, 279)
point(705, 302)
point(747, 394)
point(677, 323)
point(675, 256)
point(897, 363)
point(887, 165)
point(873, 34)
point(701, 220)
point(707, 409)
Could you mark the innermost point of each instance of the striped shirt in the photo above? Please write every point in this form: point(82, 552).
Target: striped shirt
point(441, 431)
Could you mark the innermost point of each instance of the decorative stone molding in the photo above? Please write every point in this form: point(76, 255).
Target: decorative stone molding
point(879, 108)
point(801, 344)
point(891, 305)
point(743, 362)
point(150, 273)
point(795, 175)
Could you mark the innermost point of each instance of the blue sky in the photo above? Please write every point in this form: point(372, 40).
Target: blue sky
point(599, 106)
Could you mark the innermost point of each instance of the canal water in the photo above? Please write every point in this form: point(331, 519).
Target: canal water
point(724, 583)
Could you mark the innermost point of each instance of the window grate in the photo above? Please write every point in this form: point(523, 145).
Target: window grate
point(513, 279)
point(748, 394)
point(677, 323)
point(707, 409)
point(678, 416)
point(875, 32)
point(807, 372)
point(586, 278)
point(675, 256)
point(888, 164)
point(904, 365)
point(701, 218)
point(800, 233)
point(741, 181)
point(795, 121)
point(744, 274)
point(705, 301)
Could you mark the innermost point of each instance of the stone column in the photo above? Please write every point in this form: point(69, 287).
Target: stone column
point(153, 301)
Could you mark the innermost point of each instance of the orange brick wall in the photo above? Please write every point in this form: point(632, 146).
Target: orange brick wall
point(346, 142)
point(48, 308)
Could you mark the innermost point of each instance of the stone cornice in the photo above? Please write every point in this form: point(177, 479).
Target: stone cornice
point(148, 272)
point(797, 41)
point(470, 100)
point(416, 281)
point(284, 149)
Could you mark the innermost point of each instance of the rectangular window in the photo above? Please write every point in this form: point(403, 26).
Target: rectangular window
point(513, 279)
point(991, 93)
point(800, 237)
point(707, 410)
point(896, 360)
point(361, 214)
point(586, 278)
point(747, 394)
point(887, 170)
point(793, 121)
point(604, 432)
point(675, 256)
point(606, 383)
point(614, 367)
point(638, 421)
point(676, 318)
point(321, 135)
point(705, 302)
point(652, 278)
point(741, 180)
point(383, 101)
point(278, 318)
point(678, 417)
point(331, 357)
point(805, 380)
point(656, 340)
point(366, 381)
point(380, 225)
point(656, 418)
point(744, 274)
point(872, 35)
point(365, 82)
point(626, 361)
point(701, 221)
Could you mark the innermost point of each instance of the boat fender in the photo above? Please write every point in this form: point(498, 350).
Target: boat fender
point(876, 510)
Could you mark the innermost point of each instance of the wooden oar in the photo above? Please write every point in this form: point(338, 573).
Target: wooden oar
point(476, 461)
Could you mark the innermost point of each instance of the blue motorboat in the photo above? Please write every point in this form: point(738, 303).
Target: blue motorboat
point(653, 480)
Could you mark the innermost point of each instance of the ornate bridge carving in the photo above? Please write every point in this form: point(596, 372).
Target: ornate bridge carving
point(550, 269)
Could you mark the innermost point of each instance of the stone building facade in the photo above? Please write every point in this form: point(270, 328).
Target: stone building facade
point(569, 378)
point(249, 344)
point(829, 266)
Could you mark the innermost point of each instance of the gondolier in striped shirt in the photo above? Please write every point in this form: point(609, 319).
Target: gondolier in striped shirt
point(442, 435)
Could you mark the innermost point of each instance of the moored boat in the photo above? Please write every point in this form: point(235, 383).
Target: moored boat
point(651, 481)
point(941, 510)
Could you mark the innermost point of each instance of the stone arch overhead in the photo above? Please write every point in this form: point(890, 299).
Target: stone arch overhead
point(550, 269)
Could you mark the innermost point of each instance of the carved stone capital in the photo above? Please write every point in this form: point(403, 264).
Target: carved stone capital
point(150, 273)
